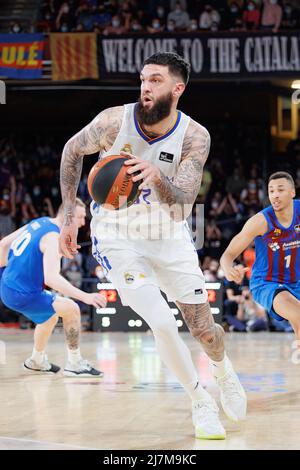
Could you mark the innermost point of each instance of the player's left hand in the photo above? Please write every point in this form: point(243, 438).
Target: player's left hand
point(149, 173)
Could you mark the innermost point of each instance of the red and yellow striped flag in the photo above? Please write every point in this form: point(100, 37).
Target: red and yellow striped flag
point(74, 56)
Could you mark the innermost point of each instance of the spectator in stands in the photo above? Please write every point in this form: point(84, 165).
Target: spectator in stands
point(116, 27)
point(65, 19)
point(214, 204)
point(173, 3)
point(252, 196)
point(161, 14)
point(213, 239)
point(211, 274)
point(171, 26)
point(250, 312)
point(72, 270)
point(46, 24)
point(85, 16)
point(102, 18)
point(126, 13)
point(271, 15)
point(290, 17)
point(16, 28)
point(28, 210)
point(136, 26)
point(181, 17)
point(236, 182)
point(233, 306)
point(251, 16)
point(155, 27)
point(193, 26)
point(232, 17)
point(208, 18)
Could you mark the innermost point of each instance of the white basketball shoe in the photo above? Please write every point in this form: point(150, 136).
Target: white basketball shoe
point(81, 369)
point(205, 414)
point(44, 366)
point(232, 394)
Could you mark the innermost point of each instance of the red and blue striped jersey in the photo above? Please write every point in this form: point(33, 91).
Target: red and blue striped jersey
point(278, 250)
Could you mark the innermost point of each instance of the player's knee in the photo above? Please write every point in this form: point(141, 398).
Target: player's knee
point(210, 334)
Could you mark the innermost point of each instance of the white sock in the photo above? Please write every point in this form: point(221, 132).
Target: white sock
point(74, 355)
point(196, 391)
point(219, 368)
point(37, 356)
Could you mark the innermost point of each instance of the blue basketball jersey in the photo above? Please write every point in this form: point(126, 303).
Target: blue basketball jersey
point(278, 251)
point(24, 271)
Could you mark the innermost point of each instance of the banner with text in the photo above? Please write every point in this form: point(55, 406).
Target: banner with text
point(21, 55)
point(240, 55)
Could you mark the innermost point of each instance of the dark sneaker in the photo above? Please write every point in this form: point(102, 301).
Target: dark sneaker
point(45, 366)
point(81, 369)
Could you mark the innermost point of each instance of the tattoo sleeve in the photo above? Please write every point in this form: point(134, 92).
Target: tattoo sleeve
point(98, 136)
point(182, 192)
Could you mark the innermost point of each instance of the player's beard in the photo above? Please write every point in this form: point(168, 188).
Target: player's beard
point(159, 111)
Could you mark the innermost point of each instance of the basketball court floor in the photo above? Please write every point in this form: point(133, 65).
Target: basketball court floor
point(139, 404)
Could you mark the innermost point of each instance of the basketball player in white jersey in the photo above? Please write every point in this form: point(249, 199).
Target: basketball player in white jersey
point(147, 246)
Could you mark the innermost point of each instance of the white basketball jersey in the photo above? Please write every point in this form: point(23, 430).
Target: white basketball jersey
point(164, 152)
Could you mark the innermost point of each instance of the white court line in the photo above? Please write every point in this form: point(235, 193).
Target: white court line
point(44, 443)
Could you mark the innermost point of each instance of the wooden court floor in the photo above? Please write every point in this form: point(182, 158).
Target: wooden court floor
point(139, 404)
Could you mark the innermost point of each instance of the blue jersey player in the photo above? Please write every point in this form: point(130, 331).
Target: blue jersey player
point(29, 260)
point(275, 280)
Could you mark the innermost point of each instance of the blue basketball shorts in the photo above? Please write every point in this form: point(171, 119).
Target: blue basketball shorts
point(264, 295)
point(38, 307)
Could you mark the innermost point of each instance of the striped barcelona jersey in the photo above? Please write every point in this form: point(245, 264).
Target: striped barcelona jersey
point(278, 251)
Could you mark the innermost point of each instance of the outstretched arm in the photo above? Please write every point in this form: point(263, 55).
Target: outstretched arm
point(53, 278)
point(254, 227)
point(97, 136)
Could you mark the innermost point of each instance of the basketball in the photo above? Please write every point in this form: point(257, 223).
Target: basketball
point(110, 185)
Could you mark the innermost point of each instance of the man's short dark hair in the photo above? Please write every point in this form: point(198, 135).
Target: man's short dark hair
point(282, 174)
point(177, 65)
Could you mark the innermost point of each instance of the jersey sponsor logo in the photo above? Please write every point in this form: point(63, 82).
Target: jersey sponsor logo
point(274, 246)
point(297, 228)
point(166, 157)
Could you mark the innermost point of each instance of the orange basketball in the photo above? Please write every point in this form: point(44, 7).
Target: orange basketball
point(110, 185)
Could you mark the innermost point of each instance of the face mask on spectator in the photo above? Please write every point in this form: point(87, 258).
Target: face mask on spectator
point(214, 204)
point(16, 28)
point(214, 27)
point(251, 7)
point(36, 191)
point(193, 26)
point(156, 25)
point(47, 17)
point(252, 186)
point(288, 9)
point(273, 2)
point(135, 27)
point(66, 9)
point(64, 28)
point(27, 199)
point(54, 191)
point(6, 197)
point(234, 9)
point(116, 23)
point(170, 27)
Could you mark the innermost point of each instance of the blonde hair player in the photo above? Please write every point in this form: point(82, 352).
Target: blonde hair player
point(30, 258)
point(170, 150)
point(275, 278)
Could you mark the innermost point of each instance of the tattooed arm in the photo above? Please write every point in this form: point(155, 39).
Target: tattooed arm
point(98, 136)
point(182, 192)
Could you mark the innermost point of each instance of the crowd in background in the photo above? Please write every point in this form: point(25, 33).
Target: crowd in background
point(29, 188)
point(163, 16)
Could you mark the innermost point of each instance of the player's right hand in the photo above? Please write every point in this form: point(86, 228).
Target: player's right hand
point(236, 273)
point(95, 299)
point(68, 240)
